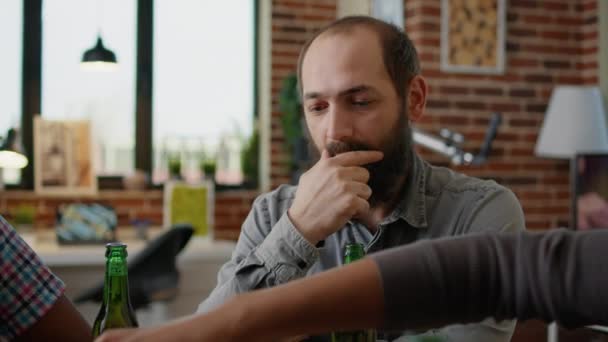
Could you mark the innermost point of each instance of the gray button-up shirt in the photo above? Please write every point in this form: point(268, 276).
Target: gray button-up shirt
point(436, 203)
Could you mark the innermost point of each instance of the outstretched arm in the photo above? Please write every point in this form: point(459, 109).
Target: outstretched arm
point(560, 275)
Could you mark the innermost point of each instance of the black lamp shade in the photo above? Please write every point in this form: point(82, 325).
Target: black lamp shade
point(99, 53)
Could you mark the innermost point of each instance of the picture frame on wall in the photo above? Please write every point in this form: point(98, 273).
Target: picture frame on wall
point(473, 36)
point(63, 162)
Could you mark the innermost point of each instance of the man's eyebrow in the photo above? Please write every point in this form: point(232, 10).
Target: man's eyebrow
point(353, 90)
point(356, 89)
point(311, 95)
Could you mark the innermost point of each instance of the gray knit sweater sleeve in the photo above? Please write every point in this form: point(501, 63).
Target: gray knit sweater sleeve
point(555, 276)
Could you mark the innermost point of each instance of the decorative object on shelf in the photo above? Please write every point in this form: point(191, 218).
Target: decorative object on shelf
point(85, 224)
point(137, 180)
point(22, 217)
point(191, 204)
point(63, 157)
point(473, 36)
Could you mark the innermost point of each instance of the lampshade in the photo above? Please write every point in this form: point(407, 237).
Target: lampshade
point(98, 57)
point(575, 122)
point(11, 154)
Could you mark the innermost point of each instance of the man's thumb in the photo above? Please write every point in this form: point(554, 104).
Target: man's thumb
point(325, 154)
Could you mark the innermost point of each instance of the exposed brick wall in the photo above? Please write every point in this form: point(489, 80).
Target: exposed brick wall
point(547, 43)
point(231, 207)
point(293, 22)
point(590, 41)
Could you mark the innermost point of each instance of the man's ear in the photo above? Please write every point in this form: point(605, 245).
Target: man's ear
point(416, 99)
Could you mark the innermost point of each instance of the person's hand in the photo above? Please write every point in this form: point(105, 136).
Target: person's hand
point(592, 211)
point(208, 327)
point(168, 332)
point(332, 192)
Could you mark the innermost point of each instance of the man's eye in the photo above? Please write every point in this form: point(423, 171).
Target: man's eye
point(316, 108)
point(362, 103)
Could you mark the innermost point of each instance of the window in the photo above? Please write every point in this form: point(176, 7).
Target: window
point(11, 28)
point(106, 98)
point(203, 85)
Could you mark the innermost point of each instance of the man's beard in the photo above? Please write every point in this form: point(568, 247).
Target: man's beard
point(384, 174)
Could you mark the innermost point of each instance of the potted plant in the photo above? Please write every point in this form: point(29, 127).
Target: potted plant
point(292, 122)
point(175, 166)
point(208, 167)
point(250, 160)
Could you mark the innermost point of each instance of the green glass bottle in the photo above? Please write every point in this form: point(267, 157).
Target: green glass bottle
point(116, 310)
point(352, 253)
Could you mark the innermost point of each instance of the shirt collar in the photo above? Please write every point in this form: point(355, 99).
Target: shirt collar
point(412, 206)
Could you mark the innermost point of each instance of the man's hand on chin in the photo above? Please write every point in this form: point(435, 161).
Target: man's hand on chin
point(332, 192)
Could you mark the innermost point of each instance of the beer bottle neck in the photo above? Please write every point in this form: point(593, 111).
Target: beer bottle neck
point(353, 252)
point(116, 289)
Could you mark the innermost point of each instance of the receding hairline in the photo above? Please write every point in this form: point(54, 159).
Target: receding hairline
point(343, 28)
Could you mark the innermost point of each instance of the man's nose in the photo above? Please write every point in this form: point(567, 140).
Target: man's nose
point(340, 124)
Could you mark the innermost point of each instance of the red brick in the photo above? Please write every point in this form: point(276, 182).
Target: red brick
point(536, 108)
point(548, 210)
point(525, 62)
point(537, 19)
point(454, 120)
point(430, 10)
point(524, 122)
point(522, 32)
point(522, 92)
point(594, 80)
point(569, 80)
point(453, 90)
point(590, 6)
point(555, 6)
point(437, 104)
point(569, 21)
point(538, 78)
point(556, 64)
point(556, 35)
point(523, 4)
point(470, 105)
point(590, 50)
point(505, 107)
point(488, 91)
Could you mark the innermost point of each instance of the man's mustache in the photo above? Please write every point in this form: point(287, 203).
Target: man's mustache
point(338, 147)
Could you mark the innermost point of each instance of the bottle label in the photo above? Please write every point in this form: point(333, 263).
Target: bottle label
point(116, 269)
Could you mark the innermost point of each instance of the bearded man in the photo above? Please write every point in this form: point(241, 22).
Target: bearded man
point(361, 87)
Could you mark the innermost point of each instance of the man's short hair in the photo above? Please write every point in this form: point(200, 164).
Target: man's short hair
point(399, 54)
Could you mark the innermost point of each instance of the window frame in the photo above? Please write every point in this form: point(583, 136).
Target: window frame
point(31, 91)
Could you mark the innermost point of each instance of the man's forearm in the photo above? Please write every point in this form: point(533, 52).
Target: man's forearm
point(321, 303)
point(435, 283)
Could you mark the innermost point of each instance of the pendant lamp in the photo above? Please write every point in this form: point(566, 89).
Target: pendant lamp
point(99, 57)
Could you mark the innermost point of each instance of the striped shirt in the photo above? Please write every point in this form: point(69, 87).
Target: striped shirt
point(28, 289)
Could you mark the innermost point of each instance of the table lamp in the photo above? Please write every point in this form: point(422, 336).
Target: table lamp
point(575, 122)
point(11, 154)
